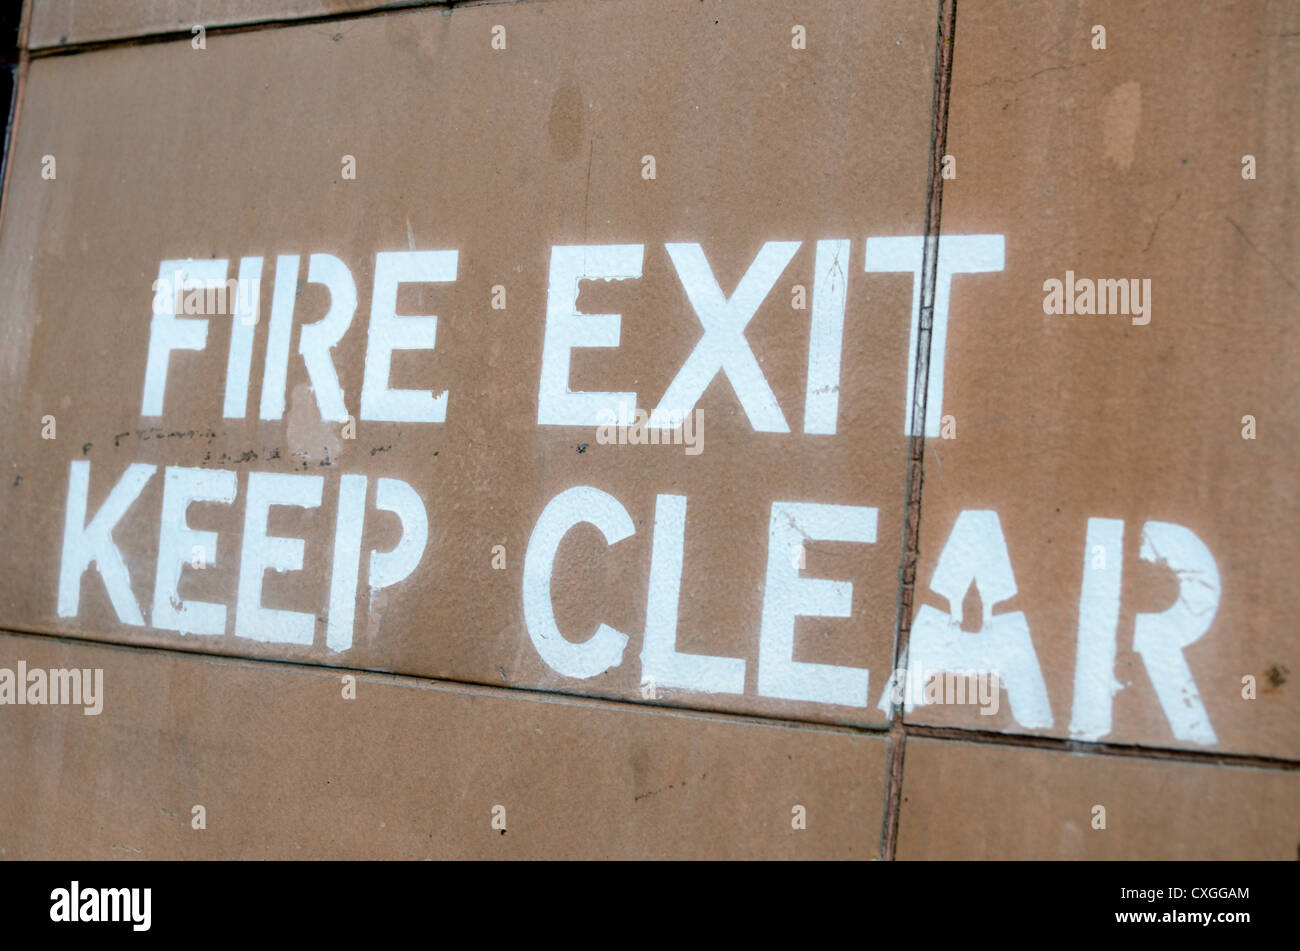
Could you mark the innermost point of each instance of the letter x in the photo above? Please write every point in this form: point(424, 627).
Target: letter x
point(723, 346)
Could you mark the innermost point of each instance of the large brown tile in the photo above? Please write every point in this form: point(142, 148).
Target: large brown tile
point(982, 801)
point(1100, 460)
point(285, 767)
point(165, 153)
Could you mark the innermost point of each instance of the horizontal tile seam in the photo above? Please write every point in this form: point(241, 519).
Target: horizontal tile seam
point(450, 685)
point(614, 704)
point(270, 23)
point(1117, 750)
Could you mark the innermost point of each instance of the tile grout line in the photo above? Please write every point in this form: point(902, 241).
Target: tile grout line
point(539, 694)
point(272, 23)
point(1054, 744)
point(517, 691)
point(944, 30)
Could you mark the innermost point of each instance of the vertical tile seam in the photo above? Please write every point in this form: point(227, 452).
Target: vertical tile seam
point(944, 35)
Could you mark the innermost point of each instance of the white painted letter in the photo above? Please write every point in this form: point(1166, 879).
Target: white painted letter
point(976, 551)
point(826, 339)
point(347, 562)
point(1095, 685)
point(390, 567)
point(276, 369)
point(242, 325)
point(661, 662)
point(262, 551)
point(83, 543)
point(572, 506)
point(1160, 638)
point(389, 332)
point(957, 254)
point(176, 540)
point(567, 328)
point(167, 332)
point(317, 339)
point(723, 348)
point(788, 596)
